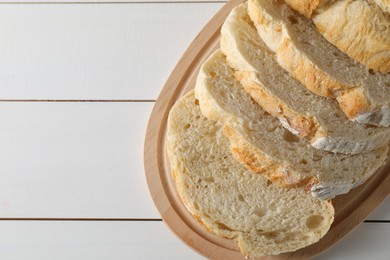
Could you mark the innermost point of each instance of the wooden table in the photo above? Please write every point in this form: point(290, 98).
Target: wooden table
point(78, 81)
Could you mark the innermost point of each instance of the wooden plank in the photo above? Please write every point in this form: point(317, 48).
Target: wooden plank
point(109, 51)
point(146, 240)
point(90, 241)
point(107, 1)
point(73, 160)
point(78, 160)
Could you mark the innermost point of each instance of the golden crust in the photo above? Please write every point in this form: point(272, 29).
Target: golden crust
point(315, 79)
point(305, 71)
point(259, 163)
point(384, 5)
point(251, 160)
point(255, 160)
point(311, 182)
point(359, 29)
point(353, 102)
point(305, 7)
point(257, 17)
point(305, 125)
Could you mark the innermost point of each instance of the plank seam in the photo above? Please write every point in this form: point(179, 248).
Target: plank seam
point(377, 221)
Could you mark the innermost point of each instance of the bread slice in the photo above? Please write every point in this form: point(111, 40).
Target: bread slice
point(261, 143)
point(231, 201)
point(383, 4)
point(310, 8)
point(364, 96)
point(306, 114)
point(360, 28)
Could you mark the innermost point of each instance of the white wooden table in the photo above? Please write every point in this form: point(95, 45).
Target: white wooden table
point(78, 81)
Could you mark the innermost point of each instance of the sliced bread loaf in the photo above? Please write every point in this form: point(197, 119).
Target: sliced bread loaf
point(364, 96)
point(308, 115)
point(231, 201)
point(258, 138)
point(360, 28)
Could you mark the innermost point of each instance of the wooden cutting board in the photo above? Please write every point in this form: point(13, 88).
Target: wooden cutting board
point(351, 208)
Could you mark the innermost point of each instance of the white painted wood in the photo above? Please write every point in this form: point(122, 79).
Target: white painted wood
point(78, 160)
point(146, 240)
point(73, 160)
point(84, 160)
point(86, 240)
point(106, 1)
point(368, 241)
point(382, 212)
point(94, 51)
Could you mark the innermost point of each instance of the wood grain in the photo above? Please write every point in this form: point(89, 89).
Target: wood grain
point(351, 208)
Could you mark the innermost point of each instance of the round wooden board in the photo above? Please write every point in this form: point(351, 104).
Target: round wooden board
point(351, 208)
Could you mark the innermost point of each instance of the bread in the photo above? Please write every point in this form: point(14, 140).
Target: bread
point(308, 115)
point(309, 7)
point(364, 96)
point(360, 28)
point(237, 165)
point(261, 143)
point(384, 5)
point(231, 201)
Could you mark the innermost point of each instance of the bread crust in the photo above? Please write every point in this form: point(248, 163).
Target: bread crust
point(304, 126)
point(305, 7)
point(253, 133)
point(258, 162)
point(305, 71)
point(291, 58)
point(204, 169)
point(358, 105)
point(353, 102)
point(359, 28)
point(384, 5)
